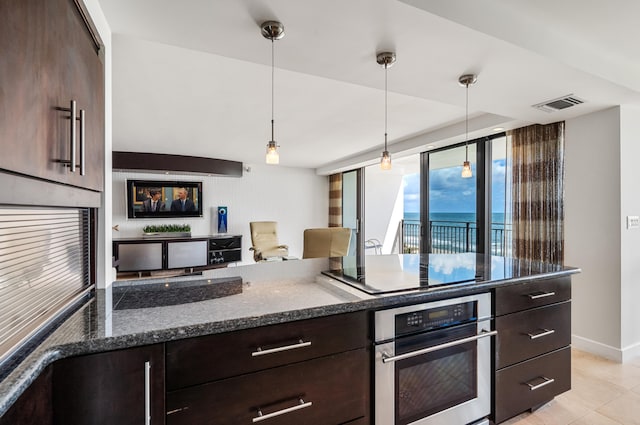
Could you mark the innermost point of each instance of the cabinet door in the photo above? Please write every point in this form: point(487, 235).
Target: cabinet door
point(532, 383)
point(533, 332)
point(195, 361)
point(48, 59)
point(325, 391)
point(110, 388)
point(33, 407)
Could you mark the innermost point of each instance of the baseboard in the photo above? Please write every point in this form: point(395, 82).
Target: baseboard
point(597, 348)
point(630, 352)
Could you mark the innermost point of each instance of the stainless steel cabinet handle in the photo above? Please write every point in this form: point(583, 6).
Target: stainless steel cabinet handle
point(71, 162)
point(541, 295)
point(72, 138)
point(483, 334)
point(544, 332)
point(82, 142)
point(147, 393)
point(301, 405)
point(547, 381)
point(260, 352)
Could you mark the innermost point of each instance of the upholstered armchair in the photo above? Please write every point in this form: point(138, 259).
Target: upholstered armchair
point(326, 242)
point(264, 238)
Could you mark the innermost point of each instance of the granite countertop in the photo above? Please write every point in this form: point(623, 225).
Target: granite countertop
point(274, 292)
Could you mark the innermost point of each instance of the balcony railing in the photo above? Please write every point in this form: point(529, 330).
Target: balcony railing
point(448, 237)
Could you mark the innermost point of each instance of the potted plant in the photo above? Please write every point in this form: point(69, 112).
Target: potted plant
point(167, 230)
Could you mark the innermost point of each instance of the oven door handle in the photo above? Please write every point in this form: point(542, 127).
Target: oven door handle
point(483, 334)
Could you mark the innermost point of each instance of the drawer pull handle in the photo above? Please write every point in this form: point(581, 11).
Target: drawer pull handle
point(82, 120)
point(539, 295)
point(301, 405)
point(147, 393)
point(544, 332)
point(260, 352)
point(547, 381)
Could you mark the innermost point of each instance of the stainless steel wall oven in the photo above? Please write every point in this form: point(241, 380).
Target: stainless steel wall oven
point(433, 362)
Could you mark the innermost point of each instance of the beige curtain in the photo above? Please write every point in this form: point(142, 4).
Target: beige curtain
point(538, 192)
point(335, 200)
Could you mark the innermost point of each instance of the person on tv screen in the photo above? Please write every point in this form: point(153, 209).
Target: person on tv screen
point(153, 204)
point(182, 203)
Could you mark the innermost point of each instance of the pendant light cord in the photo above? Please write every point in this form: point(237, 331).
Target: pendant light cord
point(272, 90)
point(385, 105)
point(466, 127)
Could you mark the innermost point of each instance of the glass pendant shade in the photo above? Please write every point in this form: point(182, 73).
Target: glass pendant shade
point(466, 170)
point(272, 153)
point(385, 59)
point(467, 80)
point(385, 161)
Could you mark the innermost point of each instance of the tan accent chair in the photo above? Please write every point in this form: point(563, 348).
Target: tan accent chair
point(326, 242)
point(264, 238)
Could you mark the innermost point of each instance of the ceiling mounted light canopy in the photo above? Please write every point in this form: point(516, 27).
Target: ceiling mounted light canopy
point(385, 59)
point(272, 30)
point(467, 80)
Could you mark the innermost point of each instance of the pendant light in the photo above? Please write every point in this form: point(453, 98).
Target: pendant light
point(467, 80)
point(273, 31)
point(385, 59)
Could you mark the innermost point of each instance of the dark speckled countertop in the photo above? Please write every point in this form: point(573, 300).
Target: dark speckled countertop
point(273, 292)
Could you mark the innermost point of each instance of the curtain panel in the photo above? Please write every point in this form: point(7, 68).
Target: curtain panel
point(335, 200)
point(538, 192)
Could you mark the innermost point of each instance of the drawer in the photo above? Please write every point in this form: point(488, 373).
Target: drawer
point(225, 256)
point(529, 333)
point(532, 294)
point(198, 360)
point(523, 386)
point(231, 242)
point(333, 389)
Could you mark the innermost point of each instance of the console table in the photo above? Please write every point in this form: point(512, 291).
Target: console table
point(165, 253)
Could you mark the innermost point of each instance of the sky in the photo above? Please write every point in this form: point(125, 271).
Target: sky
point(451, 193)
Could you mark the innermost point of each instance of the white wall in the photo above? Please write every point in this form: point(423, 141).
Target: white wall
point(592, 229)
point(294, 197)
point(630, 240)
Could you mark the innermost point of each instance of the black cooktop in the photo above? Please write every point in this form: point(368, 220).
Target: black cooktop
point(378, 274)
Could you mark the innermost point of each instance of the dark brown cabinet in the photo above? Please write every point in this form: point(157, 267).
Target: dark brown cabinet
point(118, 387)
point(533, 358)
point(313, 371)
point(50, 58)
point(198, 253)
point(34, 406)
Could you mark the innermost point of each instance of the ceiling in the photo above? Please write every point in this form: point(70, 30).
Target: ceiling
point(194, 77)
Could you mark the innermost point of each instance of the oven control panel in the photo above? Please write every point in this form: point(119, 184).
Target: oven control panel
point(434, 318)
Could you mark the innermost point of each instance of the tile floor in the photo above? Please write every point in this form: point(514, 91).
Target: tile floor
point(603, 393)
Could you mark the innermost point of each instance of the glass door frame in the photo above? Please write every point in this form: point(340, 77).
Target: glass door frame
point(359, 202)
point(483, 192)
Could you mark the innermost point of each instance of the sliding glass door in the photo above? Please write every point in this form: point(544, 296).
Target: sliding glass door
point(465, 214)
point(452, 202)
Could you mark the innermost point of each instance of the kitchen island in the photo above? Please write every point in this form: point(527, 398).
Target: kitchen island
point(272, 294)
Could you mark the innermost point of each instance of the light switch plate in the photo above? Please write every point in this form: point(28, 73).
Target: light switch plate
point(633, 222)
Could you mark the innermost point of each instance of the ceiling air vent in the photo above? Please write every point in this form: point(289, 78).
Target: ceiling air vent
point(558, 104)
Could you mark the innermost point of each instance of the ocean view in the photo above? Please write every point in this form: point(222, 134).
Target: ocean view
point(497, 218)
point(455, 232)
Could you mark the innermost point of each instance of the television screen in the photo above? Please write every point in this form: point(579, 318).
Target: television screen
point(163, 199)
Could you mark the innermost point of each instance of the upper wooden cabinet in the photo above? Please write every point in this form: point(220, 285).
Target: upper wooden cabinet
point(48, 58)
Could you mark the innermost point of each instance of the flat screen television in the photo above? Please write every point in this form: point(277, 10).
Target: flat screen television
point(163, 199)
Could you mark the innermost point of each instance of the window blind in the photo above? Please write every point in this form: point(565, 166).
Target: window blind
point(44, 266)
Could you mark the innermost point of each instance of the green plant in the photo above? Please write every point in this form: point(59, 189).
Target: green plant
point(166, 228)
